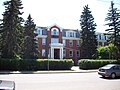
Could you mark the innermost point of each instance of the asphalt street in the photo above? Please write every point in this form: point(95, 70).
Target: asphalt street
point(62, 81)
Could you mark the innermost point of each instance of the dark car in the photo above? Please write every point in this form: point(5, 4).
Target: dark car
point(7, 85)
point(110, 70)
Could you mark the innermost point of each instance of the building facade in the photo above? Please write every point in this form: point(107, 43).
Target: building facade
point(102, 39)
point(58, 43)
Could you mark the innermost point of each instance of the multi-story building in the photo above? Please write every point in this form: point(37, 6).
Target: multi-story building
point(102, 39)
point(58, 43)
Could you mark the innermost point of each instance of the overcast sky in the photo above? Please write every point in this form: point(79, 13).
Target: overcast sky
point(64, 13)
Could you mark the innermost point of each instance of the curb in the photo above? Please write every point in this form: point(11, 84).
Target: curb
point(74, 69)
point(47, 72)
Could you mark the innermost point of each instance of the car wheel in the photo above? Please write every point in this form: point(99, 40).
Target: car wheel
point(113, 75)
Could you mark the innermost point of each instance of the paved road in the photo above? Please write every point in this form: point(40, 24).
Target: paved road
point(62, 81)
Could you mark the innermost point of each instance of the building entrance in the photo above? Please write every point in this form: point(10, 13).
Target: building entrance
point(56, 53)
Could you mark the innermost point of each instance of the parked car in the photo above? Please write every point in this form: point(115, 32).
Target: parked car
point(7, 85)
point(110, 70)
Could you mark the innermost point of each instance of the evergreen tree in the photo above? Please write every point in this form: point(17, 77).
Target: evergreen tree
point(0, 35)
point(30, 47)
point(11, 30)
point(88, 37)
point(113, 18)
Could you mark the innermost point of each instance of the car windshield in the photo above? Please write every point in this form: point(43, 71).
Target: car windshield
point(108, 66)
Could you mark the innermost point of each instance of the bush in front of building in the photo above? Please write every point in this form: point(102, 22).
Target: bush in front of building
point(28, 65)
point(35, 64)
point(46, 64)
point(65, 64)
point(9, 64)
point(95, 64)
point(108, 52)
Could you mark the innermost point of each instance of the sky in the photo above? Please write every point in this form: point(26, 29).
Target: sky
point(64, 13)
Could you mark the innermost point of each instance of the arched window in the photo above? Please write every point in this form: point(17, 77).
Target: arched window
point(55, 31)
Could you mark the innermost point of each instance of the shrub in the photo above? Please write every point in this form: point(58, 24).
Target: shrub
point(9, 64)
point(35, 64)
point(95, 64)
point(60, 64)
point(107, 52)
point(27, 64)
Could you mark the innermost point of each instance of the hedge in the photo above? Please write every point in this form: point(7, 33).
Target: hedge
point(35, 64)
point(95, 64)
point(9, 64)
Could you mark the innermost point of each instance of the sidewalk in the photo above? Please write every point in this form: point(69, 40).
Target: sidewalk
point(74, 69)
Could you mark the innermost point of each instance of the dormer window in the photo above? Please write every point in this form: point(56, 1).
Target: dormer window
point(71, 34)
point(55, 31)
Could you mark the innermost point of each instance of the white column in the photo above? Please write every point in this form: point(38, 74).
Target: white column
point(52, 53)
point(61, 53)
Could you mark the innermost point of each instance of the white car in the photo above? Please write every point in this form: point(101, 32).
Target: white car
point(7, 85)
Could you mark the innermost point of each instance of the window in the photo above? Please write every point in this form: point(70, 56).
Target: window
point(64, 53)
point(99, 37)
point(78, 53)
point(64, 43)
point(100, 44)
point(43, 41)
point(102, 37)
point(64, 33)
point(54, 40)
point(43, 52)
point(44, 32)
point(39, 32)
point(71, 53)
point(54, 31)
point(70, 43)
point(78, 43)
point(71, 34)
point(116, 68)
point(105, 37)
